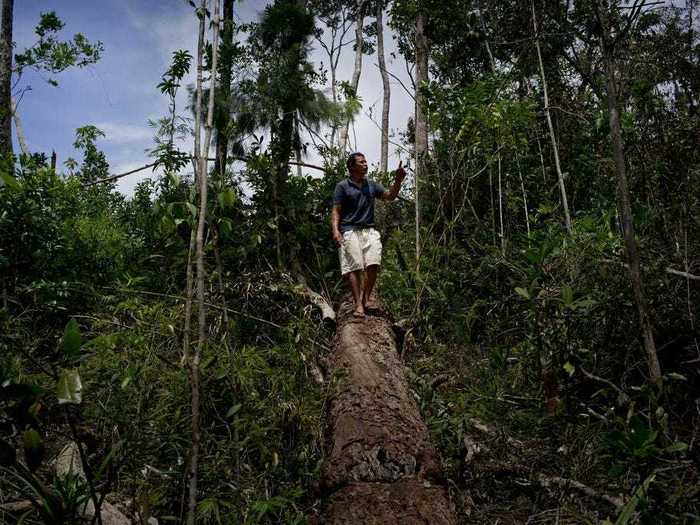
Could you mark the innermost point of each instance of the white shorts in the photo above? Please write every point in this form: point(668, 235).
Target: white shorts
point(360, 249)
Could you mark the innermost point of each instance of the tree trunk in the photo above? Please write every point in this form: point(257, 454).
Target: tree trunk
point(6, 78)
point(522, 189)
point(224, 90)
point(357, 70)
point(501, 232)
point(19, 129)
point(560, 176)
point(201, 155)
point(384, 155)
point(625, 205)
point(380, 466)
point(421, 124)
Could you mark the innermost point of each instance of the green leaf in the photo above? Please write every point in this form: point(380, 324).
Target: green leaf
point(69, 387)
point(192, 208)
point(638, 497)
point(71, 339)
point(522, 292)
point(676, 376)
point(9, 181)
point(226, 198)
point(569, 368)
point(567, 295)
point(33, 448)
point(678, 446)
point(233, 410)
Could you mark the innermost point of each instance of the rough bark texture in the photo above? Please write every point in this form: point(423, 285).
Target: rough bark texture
point(6, 78)
point(380, 465)
point(421, 137)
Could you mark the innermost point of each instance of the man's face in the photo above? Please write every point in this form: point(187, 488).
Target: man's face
point(359, 168)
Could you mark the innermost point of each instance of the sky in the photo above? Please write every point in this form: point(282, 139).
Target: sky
point(119, 93)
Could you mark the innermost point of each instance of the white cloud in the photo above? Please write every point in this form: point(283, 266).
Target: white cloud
point(117, 133)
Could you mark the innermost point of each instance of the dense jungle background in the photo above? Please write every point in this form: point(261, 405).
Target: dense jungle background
point(541, 264)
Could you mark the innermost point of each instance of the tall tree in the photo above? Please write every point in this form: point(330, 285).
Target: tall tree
point(611, 38)
point(550, 126)
point(48, 55)
point(223, 115)
point(386, 89)
point(360, 6)
point(202, 161)
point(283, 88)
point(6, 78)
point(336, 16)
point(421, 123)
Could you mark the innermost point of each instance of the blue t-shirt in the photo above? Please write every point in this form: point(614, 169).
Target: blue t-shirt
point(357, 203)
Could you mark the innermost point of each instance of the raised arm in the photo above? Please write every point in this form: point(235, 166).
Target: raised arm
point(399, 176)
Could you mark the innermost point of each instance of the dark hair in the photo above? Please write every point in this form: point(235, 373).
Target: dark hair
point(352, 158)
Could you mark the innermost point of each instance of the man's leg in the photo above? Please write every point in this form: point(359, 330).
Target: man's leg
point(351, 267)
point(371, 273)
point(355, 279)
point(372, 251)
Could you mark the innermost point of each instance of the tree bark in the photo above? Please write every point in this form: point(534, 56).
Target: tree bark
point(624, 202)
point(6, 78)
point(202, 157)
point(555, 149)
point(19, 129)
point(224, 90)
point(357, 70)
point(421, 124)
point(380, 466)
point(386, 99)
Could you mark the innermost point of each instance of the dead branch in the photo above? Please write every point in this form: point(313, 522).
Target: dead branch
point(547, 482)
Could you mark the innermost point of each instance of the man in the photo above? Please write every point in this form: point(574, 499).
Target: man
point(352, 226)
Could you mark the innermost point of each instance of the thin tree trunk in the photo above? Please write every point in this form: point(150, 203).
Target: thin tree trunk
point(189, 293)
point(493, 205)
point(19, 129)
point(421, 124)
point(560, 176)
point(384, 155)
point(297, 146)
point(500, 210)
point(220, 277)
point(625, 205)
point(6, 78)
point(202, 154)
point(357, 70)
point(224, 90)
point(522, 188)
point(492, 63)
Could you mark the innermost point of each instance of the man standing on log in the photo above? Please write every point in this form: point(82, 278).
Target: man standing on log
point(352, 225)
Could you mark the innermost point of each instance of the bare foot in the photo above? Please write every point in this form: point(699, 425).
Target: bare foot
point(370, 304)
point(358, 313)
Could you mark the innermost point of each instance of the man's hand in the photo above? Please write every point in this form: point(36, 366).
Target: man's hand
point(400, 173)
point(338, 238)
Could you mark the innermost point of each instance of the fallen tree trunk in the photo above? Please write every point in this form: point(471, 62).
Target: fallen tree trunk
point(380, 466)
